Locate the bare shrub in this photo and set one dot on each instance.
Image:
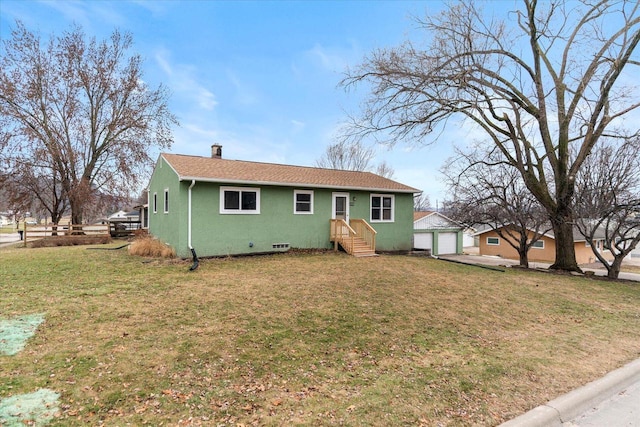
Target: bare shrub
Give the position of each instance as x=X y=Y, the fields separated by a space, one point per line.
x=147 y=246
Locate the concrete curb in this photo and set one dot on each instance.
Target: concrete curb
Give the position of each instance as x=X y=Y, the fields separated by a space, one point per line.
x=569 y=406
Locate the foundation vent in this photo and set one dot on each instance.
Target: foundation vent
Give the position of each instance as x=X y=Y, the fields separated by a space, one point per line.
x=280 y=246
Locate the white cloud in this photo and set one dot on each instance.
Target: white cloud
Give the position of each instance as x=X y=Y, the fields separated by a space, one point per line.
x=155 y=7
x=334 y=60
x=183 y=81
x=328 y=60
x=297 y=126
x=87 y=13
x=73 y=11
x=243 y=95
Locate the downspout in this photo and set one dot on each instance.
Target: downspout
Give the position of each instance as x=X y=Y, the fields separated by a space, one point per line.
x=196 y=263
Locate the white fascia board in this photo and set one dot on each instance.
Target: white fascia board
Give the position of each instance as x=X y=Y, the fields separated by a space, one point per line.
x=296 y=185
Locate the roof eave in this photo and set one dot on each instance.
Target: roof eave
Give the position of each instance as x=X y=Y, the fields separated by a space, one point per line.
x=295 y=184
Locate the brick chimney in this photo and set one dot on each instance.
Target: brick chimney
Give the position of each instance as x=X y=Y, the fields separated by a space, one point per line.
x=216 y=151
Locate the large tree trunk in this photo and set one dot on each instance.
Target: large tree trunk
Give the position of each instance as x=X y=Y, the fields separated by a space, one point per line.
x=565 y=250
x=79 y=196
x=524 y=259
x=523 y=249
x=614 y=269
x=55 y=219
x=76 y=213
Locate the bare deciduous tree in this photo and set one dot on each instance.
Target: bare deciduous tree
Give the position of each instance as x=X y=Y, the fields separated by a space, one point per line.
x=82 y=109
x=385 y=169
x=353 y=156
x=347 y=156
x=541 y=82
x=421 y=202
x=487 y=191
x=608 y=201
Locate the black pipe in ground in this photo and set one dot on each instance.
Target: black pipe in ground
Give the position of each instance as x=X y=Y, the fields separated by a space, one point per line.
x=488 y=267
x=196 y=262
x=109 y=249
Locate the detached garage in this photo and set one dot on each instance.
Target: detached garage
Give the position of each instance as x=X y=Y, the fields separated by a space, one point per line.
x=437 y=233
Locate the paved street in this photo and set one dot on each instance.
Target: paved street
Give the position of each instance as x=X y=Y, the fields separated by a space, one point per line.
x=621 y=410
x=7 y=239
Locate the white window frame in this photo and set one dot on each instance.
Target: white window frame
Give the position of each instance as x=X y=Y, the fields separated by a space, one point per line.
x=155 y=202
x=493 y=244
x=240 y=211
x=166 y=200
x=382 y=197
x=295 y=202
x=539 y=242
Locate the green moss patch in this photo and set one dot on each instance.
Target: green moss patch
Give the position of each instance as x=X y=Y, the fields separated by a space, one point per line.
x=14 y=333
x=34 y=409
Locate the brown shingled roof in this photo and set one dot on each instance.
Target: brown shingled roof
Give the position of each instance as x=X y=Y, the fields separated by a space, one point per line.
x=242 y=172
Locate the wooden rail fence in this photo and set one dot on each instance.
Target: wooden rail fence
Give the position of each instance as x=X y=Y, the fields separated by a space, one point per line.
x=37 y=232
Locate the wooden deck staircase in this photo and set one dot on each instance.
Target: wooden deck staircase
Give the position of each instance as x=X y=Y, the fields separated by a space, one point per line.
x=357 y=238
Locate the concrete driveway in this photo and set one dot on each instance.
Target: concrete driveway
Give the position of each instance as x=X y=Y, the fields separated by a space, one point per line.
x=503 y=262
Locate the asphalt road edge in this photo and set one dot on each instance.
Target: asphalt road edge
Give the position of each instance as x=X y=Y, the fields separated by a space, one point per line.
x=568 y=406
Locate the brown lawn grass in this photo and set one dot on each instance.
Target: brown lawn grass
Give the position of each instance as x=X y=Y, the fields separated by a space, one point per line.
x=321 y=339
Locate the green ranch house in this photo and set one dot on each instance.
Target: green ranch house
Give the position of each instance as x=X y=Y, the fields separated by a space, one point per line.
x=224 y=207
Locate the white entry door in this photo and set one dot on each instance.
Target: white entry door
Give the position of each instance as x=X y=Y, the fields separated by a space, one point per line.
x=340 y=206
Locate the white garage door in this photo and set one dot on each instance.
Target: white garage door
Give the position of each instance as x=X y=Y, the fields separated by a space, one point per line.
x=423 y=240
x=447 y=243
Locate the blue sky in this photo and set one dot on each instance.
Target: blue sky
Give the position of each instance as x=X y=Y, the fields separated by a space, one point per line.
x=260 y=78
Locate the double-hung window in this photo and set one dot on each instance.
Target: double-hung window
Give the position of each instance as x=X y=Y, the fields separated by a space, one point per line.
x=239 y=200
x=538 y=244
x=303 y=202
x=382 y=208
x=166 y=200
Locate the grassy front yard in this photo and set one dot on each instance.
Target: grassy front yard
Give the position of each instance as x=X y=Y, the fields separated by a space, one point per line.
x=320 y=339
x=7 y=229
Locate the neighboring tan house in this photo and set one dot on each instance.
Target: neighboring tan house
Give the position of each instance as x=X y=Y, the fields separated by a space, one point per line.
x=437 y=233
x=225 y=207
x=543 y=250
